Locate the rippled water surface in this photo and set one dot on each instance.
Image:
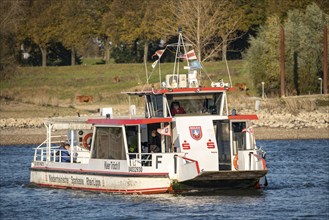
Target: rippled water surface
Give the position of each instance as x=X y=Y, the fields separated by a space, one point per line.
x=298 y=189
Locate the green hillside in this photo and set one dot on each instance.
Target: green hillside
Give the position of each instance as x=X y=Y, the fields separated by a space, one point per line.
x=60 y=85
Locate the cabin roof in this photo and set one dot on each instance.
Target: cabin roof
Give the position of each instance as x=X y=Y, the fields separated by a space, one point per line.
x=131 y=121
x=243 y=117
x=181 y=90
x=64 y=123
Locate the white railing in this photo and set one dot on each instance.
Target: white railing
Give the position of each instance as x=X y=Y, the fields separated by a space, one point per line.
x=140 y=159
x=42 y=148
x=54 y=154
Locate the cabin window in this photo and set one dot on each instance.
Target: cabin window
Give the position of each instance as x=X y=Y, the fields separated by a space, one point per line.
x=197 y=104
x=239 y=136
x=132 y=138
x=109 y=144
x=222 y=131
x=154 y=106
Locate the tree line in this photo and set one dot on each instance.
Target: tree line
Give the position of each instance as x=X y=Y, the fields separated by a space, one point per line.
x=304 y=52
x=59 y=32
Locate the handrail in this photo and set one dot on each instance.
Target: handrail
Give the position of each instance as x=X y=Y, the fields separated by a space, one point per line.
x=189 y=159
x=261 y=159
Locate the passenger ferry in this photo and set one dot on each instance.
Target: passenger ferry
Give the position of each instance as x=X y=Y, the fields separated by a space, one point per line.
x=186 y=140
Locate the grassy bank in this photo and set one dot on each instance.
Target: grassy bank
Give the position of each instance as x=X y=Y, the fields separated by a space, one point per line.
x=60 y=85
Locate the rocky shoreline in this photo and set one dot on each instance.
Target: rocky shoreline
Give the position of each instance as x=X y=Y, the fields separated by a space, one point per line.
x=270 y=126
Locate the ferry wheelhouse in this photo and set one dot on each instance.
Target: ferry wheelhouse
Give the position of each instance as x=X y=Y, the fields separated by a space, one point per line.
x=186 y=140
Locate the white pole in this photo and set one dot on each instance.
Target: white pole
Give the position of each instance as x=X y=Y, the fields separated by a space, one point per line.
x=320 y=85
x=147 y=77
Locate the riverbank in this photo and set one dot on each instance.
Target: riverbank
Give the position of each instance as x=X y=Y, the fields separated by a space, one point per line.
x=16 y=136
x=22 y=123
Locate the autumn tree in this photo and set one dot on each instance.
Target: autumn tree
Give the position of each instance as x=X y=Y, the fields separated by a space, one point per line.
x=208 y=25
x=263 y=56
x=130 y=21
x=304 y=50
x=80 y=21
x=42 y=24
x=12 y=15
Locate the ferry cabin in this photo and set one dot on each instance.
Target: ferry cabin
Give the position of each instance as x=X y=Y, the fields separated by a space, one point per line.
x=205 y=135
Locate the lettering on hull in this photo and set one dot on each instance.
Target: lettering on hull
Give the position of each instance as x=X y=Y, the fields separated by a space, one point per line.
x=136 y=169
x=73 y=180
x=112 y=165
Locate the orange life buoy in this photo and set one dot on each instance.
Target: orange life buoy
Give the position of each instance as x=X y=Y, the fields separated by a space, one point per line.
x=85 y=139
x=235 y=162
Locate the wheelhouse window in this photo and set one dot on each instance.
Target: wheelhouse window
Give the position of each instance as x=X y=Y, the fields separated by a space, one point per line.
x=132 y=138
x=239 y=136
x=154 y=106
x=197 y=104
x=109 y=144
x=222 y=131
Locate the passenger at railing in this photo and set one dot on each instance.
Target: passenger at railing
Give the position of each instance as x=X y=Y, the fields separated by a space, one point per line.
x=176 y=109
x=155 y=142
x=65 y=153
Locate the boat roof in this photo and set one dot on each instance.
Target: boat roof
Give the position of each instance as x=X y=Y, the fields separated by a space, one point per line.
x=137 y=121
x=243 y=117
x=128 y=121
x=181 y=91
x=64 y=123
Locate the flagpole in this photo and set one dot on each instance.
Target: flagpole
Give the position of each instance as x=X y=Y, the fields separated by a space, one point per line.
x=147 y=78
x=228 y=70
x=159 y=73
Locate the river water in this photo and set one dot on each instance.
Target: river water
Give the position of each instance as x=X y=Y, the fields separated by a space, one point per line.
x=298 y=189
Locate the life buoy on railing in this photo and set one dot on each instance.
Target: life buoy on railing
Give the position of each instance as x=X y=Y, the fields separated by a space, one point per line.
x=235 y=162
x=86 y=142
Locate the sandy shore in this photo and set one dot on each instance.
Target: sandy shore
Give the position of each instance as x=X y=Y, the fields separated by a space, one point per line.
x=13 y=136
x=22 y=123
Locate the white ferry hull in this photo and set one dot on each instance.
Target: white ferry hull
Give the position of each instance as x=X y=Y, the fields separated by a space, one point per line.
x=114 y=183
x=142 y=183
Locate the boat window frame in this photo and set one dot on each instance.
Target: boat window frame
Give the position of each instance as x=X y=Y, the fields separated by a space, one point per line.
x=154 y=105
x=124 y=142
x=216 y=108
x=236 y=149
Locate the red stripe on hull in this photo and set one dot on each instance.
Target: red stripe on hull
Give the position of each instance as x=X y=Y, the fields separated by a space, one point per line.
x=96 y=171
x=130 y=191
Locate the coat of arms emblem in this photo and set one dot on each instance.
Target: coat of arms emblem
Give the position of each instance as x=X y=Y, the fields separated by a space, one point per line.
x=196 y=132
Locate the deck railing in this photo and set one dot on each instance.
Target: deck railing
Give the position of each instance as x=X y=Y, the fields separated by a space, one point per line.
x=140 y=159
x=41 y=153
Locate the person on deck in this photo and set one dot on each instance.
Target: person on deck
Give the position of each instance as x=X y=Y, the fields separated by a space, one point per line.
x=65 y=154
x=155 y=142
x=176 y=109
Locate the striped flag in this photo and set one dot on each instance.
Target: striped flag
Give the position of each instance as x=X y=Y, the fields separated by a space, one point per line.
x=158 y=53
x=165 y=130
x=189 y=55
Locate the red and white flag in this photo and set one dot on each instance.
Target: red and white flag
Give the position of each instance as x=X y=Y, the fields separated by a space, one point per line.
x=158 y=53
x=250 y=130
x=189 y=55
x=165 y=130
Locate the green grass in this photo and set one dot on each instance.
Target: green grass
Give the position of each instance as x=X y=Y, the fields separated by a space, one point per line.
x=92 y=61
x=58 y=86
x=65 y=83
